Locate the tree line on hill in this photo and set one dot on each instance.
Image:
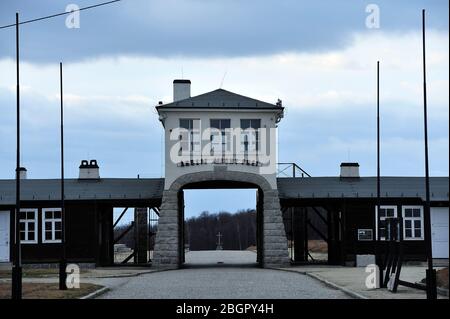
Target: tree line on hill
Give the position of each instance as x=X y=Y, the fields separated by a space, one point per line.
x=238 y=231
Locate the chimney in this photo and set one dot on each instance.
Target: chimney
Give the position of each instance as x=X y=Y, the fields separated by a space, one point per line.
x=349 y=170
x=181 y=90
x=89 y=170
x=22 y=173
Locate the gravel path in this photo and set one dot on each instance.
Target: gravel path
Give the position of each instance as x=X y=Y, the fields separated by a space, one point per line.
x=224 y=257
x=230 y=279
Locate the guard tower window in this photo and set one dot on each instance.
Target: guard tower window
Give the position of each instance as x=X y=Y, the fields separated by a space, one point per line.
x=189 y=137
x=250 y=136
x=220 y=137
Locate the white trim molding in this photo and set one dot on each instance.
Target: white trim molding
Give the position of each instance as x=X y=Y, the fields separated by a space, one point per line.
x=394 y=207
x=413 y=220
x=53 y=222
x=27 y=222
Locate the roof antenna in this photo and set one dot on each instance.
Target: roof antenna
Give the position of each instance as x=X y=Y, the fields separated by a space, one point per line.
x=223 y=79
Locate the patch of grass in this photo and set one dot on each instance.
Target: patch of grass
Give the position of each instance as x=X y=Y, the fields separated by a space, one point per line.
x=48 y=291
x=35 y=273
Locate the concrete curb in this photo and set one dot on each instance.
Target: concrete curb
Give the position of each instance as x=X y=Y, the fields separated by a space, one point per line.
x=123 y=275
x=154 y=270
x=349 y=292
x=96 y=293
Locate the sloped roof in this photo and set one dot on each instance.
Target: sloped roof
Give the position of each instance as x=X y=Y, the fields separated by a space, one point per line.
x=288 y=188
x=220 y=98
x=363 y=187
x=76 y=189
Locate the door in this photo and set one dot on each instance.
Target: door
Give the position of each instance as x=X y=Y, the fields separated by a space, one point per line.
x=4 y=236
x=439 y=232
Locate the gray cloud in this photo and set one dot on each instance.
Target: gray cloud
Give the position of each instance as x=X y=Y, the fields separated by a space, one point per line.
x=202 y=28
x=320 y=141
x=124 y=146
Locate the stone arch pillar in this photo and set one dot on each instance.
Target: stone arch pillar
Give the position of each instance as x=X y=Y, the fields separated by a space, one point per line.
x=275 y=250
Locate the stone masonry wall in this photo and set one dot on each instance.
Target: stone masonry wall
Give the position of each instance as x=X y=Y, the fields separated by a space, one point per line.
x=275 y=253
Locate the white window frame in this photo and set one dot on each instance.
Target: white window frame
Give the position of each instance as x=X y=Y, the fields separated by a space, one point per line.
x=53 y=221
x=412 y=222
x=29 y=221
x=250 y=137
x=383 y=218
x=220 y=138
x=192 y=138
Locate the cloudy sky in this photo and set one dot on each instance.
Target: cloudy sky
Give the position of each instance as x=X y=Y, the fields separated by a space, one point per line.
x=319 y=57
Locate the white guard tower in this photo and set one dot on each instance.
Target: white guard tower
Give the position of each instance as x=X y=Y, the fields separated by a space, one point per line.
x=219 y=140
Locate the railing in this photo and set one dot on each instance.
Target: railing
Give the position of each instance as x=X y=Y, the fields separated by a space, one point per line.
x=283 y=169
x=223 y=160
x=290 y=170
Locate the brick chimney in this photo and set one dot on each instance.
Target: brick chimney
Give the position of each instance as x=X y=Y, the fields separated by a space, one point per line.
x=181 y=90
x=349 y=170
x=89 y=170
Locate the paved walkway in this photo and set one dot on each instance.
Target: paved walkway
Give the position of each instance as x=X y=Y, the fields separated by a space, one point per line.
x=229 y=283
x=353 y=279
x=223 y=274
x=233 y=274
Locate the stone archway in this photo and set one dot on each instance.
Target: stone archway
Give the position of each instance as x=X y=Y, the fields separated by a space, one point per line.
x=275 y=250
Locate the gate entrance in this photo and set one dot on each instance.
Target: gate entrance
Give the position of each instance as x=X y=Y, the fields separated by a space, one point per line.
x=220 y=226
x=271 y=242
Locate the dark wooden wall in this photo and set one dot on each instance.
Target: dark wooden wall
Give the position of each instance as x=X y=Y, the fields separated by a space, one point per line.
x=360 y=214
x=89 y=230
x=356 y=213
x=88 y=235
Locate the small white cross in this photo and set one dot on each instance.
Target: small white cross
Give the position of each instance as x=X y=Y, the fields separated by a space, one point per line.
x=219 y=235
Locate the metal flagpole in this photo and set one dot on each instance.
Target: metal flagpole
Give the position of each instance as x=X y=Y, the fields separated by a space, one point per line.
x=430 y=274
x=380 y=268
x=63 y=261
x=16 y=286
